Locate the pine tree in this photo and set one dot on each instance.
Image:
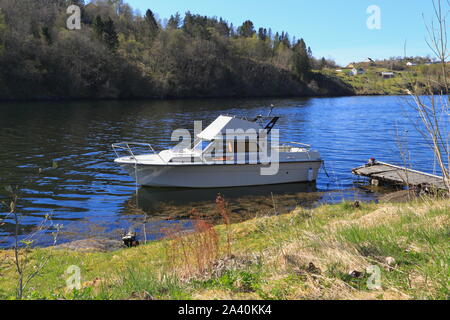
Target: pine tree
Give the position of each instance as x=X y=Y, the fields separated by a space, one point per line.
x=99 y=27
x=110 y=35
x=174 y=21
x=323 y=63
x=247 y=30
x=223 y=28
x=285 y=39
x=151 y=23
x=301 y=60
x=262 y=34
x=276 y=40
x=232 y=31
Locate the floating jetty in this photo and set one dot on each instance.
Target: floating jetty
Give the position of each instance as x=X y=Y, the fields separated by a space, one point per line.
x=385 y=173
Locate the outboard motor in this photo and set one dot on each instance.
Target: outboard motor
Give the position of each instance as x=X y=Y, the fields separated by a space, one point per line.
x=129 y=239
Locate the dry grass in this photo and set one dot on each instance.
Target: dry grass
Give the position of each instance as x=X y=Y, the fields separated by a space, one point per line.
x=307 y=254
x=192 y=254
x=197 y=253
x=311 y=253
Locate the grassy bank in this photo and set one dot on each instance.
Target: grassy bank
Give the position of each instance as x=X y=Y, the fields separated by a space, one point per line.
x=307 y=254
x=371 y=81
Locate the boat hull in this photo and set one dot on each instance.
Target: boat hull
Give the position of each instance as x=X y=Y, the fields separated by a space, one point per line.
x=227 y=175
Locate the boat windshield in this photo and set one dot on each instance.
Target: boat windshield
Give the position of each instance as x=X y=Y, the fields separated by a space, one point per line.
x=204 y=144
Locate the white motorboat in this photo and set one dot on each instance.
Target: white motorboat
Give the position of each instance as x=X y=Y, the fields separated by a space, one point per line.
x=232 y=151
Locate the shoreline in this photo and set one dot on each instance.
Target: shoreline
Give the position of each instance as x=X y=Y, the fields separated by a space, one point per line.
x=93 y=99
x=241 y=208
x=319 y=253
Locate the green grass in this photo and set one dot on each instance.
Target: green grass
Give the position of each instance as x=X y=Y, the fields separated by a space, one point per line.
x=306 y=254
x=371 y=83
x=431 y=258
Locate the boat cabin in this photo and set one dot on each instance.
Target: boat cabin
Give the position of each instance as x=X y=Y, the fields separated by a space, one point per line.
x=230 y=140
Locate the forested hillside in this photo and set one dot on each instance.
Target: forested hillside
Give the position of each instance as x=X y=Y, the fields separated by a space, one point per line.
x=121 y=53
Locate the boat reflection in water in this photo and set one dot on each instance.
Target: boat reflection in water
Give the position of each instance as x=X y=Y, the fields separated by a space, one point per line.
x=243 y=202
x=166 y=209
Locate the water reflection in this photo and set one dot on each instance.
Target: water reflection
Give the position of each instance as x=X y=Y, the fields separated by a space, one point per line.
x=160 y=208
x=92 y=196
x=244 y=202
x=155 y=204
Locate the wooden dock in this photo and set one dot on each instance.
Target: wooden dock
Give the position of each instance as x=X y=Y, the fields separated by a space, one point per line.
x=386 y=173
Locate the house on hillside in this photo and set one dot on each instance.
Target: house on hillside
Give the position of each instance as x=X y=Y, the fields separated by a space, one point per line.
x=387 y=75
x=355 y=71
x=410 y=64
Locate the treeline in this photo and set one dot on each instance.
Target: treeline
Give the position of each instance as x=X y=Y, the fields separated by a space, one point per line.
x=120 y=53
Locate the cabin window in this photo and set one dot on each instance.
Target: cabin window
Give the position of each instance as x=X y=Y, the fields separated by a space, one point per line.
x=240 y=146
x=241 y=150
x=231 y=149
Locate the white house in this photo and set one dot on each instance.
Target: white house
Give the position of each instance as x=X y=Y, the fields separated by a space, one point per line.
x=355 y=71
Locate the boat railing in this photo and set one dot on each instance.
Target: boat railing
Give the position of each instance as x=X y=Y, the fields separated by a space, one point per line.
x=128 y=146
x=290 y=143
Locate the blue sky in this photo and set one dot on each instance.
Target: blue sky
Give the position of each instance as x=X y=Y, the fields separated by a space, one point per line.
x=332 y=28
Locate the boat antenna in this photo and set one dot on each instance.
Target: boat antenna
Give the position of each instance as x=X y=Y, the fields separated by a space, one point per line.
x=258 y=117
x=271 y=109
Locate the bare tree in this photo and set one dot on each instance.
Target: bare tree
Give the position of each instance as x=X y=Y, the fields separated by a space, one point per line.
x=27 y=271
x=431 y=100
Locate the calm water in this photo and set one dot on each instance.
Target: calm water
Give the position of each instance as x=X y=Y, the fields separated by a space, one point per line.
x=91 y=196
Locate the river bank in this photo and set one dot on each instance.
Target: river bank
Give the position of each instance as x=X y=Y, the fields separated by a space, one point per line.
x=327 y=252
x=320 y=83
x=268 y=83
x=376 y=80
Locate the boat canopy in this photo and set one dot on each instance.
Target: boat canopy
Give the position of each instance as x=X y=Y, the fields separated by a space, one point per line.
x=218 y=128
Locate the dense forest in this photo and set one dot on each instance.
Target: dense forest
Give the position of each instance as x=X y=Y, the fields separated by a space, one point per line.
x=122 y=53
